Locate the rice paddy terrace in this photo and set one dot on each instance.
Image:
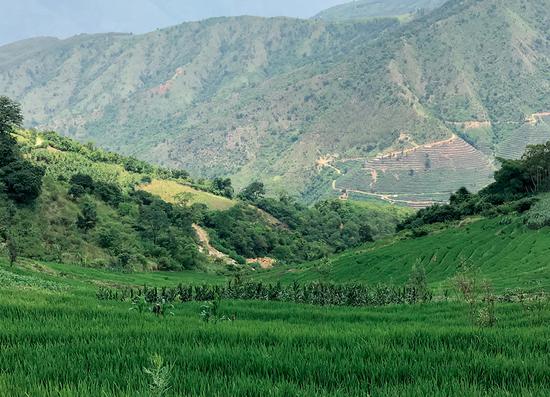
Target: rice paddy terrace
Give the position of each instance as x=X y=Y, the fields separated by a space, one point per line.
x=535 y=131
x=419 y=176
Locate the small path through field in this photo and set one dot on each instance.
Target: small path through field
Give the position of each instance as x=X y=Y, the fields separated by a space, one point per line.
x=210 y=251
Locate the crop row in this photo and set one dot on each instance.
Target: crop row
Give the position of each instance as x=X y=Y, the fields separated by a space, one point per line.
x=313 y=293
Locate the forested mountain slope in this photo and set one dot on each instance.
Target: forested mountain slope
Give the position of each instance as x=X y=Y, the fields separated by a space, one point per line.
x=281 y=99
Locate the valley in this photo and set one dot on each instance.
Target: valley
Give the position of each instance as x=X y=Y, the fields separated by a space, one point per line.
x=352 y=204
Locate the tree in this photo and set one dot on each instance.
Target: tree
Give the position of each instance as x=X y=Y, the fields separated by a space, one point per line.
x=462 y=195
x=10 y=115
x=8 y=150
x=83 y=180
x=109 y=193
x=153 y=219
x=253 y=192
x=23 y=181
x=223 y=187
x=87 y=219
x=365 y=233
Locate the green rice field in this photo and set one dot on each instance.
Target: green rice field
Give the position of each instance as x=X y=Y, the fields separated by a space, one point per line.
x=57 y=339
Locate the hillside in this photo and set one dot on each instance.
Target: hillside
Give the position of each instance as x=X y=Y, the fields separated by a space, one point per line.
x=267 y=99
x=145 y=217
x=67 y=202
x=505 y=252
x=363 y=9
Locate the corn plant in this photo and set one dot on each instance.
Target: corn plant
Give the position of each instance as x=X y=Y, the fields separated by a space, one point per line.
x=139 y=304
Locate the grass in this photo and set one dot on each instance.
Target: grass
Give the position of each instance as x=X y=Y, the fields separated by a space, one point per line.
x=503 y=250
x=68 y=344
x=168 y=190
x=57 y=339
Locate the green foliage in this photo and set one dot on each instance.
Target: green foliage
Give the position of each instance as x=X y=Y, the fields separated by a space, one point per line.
x=515 y=184
x=289 y=231
x=309 y=348
x=253 y=192
x=222 y=187
x=87 y=219
x=8 y=150
x=324 y=294
x=539 y=215
x=159 y=374
x=276 y=112
x=10 y=115
x=508 y=254
x=22 y=181
x=13 y=252
x=210 y=312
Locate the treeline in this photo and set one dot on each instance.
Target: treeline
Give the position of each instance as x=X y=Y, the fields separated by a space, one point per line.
x=92 y=211
x=20 y=180
x=517 y=188
x=286 y=230
x=159 y=232
x=323 y=294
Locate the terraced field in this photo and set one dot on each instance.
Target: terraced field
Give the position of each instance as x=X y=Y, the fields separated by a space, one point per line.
x=535 y=132
x=420 y=176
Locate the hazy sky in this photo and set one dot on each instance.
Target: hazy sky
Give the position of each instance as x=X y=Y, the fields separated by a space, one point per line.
x=62 y=18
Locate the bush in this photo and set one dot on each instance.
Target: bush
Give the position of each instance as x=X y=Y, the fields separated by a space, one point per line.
x=539 y=215
x=109 y=193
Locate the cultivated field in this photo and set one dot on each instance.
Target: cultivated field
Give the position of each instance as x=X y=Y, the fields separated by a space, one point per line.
x=419 y=176
x=169 y=191
x=502 y=250
x=57 y=339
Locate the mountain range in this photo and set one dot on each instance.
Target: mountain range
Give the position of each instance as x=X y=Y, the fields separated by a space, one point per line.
x=401 y=110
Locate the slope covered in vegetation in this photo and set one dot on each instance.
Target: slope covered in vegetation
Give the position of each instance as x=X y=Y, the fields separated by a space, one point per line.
x=502 y=250
x=67 y=202
x=265 y=98
x=499 y=234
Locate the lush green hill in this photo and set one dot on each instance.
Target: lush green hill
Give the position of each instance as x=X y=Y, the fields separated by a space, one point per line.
x=362 y=9
x=133 y=229
x=67 y=202
x=267 y=99
x=503 y=250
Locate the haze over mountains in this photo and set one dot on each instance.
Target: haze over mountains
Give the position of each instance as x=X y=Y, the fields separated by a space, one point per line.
x=63 y=18
x=308 y=106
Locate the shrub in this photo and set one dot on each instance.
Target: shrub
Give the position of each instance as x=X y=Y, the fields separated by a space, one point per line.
x=87 y=219
x=539 y=215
